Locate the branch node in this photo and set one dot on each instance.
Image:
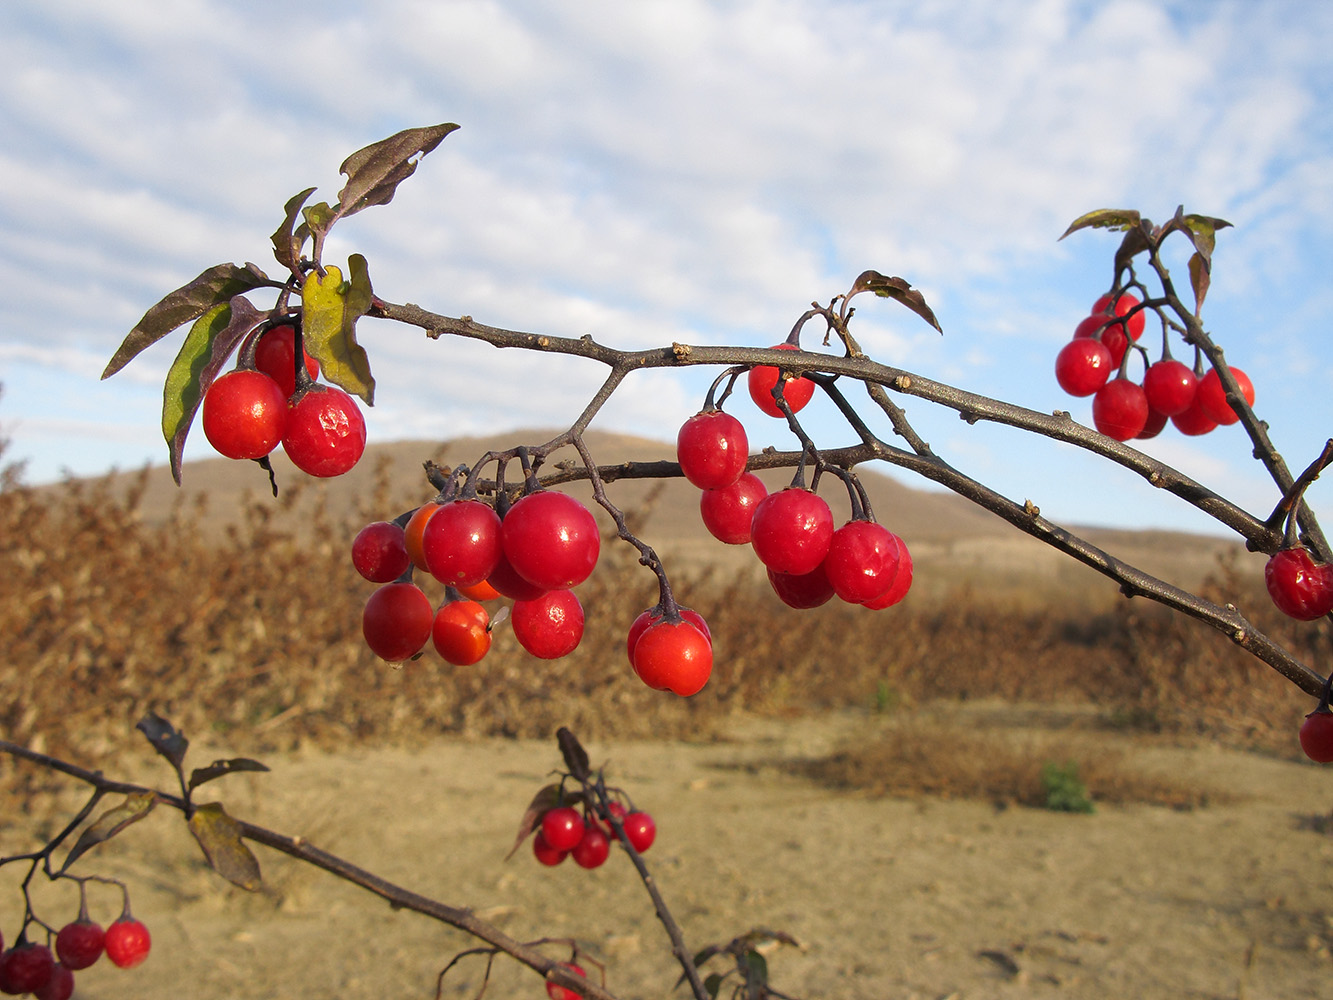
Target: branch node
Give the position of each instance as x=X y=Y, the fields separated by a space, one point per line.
x=681 y=351
x=1031 y=508
x=903 y=382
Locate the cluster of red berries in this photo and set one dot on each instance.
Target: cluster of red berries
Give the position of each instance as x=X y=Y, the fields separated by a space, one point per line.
x=250 y=411
x=564 y=832
x=1303 y=589
x=547 y=543
x=1194 y=401
x=31 y=968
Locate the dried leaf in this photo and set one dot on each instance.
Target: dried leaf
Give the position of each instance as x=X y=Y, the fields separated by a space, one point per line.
x=219 y=837
x=330 y=308
x=208 y=345
x=1104 y=218
x=374 y=173
x=546 y=799
x=898 y=289
x=220 y=767
x=1200 y=279
x=220 y=283
x=134 y=808
x=286 y=242
x=1202 y=230
x=165 y=738
x=1135 y=242
x=576 y=758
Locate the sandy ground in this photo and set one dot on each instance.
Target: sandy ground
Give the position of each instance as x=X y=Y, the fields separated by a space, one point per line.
x=889 y=898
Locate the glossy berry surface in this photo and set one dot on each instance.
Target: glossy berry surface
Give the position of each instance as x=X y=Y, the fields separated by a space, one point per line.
x=1317 y=736
x=729 y=511
x=902 y=581
x=275 y=356
x=1153 y=425
x=461 y=632
x=1194 y=422
x=640 y=830
x=480 y=592
x=593 y=849
x=551 y=540
x=127 y=942
x=802 y=590
x=415 y=530
x=1300 y=587
x=506 y=581
x=461 y=543
x=562 y=828
x=674 y=656
x=550 y=626
x=762 y=378
x=862 y=561
x=1120 y=409
x=396 y=622
x=712 y=449
x=791 y=531
x=1083 y=366
x=25 y=968
x=1123 y=304
x=79 y=944
x=1170 y=386
x=244 y=415
x=1112 y=337
x=379 y=552
x=655 y=614
x=545 y=853
x=326 y=434
x=557 y=992
x=1213 y=397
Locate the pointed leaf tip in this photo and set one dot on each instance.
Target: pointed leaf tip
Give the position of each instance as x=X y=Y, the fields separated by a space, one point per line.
x=219 y=837
x=1104 y=218
x=374 y=173
x=898 y=289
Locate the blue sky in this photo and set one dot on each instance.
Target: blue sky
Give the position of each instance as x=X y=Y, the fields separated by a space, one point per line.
x=674 y=171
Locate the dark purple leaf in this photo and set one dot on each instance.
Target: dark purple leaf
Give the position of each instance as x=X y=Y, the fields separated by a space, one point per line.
x=374 y=173
x=166 y=739
x=898 y=289
x=576 y=758
x=220 y=767
x=286 y=242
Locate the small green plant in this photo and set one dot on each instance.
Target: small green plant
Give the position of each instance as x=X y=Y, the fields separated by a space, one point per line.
x=887 y=697
x=1064 y=791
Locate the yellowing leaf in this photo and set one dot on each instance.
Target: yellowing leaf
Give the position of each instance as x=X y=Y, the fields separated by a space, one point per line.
x=134 y=808
x=330 y=308
x=220 y=838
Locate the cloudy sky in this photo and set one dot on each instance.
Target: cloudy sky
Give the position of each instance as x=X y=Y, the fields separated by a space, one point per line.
x=688 y=171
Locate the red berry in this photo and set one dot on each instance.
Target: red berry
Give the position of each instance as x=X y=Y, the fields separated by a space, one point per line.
x=461 y=632
x=1112 y=337
x=1120 y=409
x=862 y=561
x=640 y=830
x=79 y=944
x=379 y=552
x=1213 y=398
x=551 y=540
x=1124 y=304
x=727 y=512
x=25 y=967
x=461 y=543
x=1317 y=736
x=655 y=614
x=245 y=414
x=791 y=531
x=1152 y=426
x=556 y=992
x=275 y=356
x=1083 y=366
x=550 y=626
x=1194 y=421
x=593 y=849
x=712 y=449
x=1170 y=386
x=902 y=583
x=415 y=529
x=674 y=656
x=326 y=434
x=397 y=622
x=562 y=828
x=803 y=590
x=127 y=942
x=508 y=583
x=545 y=853
x=762 y=379
x=1300 y=587
x=60 y=986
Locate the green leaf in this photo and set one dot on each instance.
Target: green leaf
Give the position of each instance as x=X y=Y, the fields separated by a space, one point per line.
x=713 y=983
x=208 y=345
x=1200 y=279
x=220 y=767
x=1202 y=230
x=374 y=173
x=286 y=241
x=756 y=974
x=134 y=808
x=218 y=284
x=166 y=739
x=219 y=837
x=1104 y=218
x=329 y=311
x=895 y=288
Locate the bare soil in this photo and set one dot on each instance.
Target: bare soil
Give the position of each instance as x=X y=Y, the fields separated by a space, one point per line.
x=889 y=898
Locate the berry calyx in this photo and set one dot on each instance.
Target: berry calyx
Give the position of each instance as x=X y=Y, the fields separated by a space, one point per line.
x=1083 y=366
x=245 y=414
x=551 y=540
x=762 y=379
x=127 y=942
x=1213 y=398
x=80 y=943
x=326 y=434
x=1120 y=409
x=379 y=552
x=727 y=512
x=1300 y=587
x=397 y=622
x=791 y=531
x=549 y=626
x=562 y=828
x=712 y=449
x=1317 y=736
x=275 y=356
x=674 y=656
x=461 y=632
x=461 y=543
